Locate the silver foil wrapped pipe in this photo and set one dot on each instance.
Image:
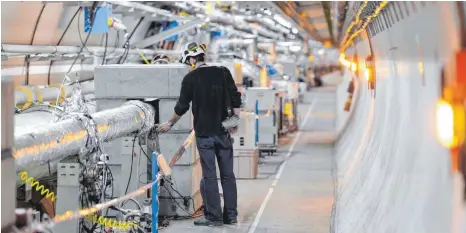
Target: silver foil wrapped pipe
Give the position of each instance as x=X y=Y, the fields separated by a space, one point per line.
x=74 y=135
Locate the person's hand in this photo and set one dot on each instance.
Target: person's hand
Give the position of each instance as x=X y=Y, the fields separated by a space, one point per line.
x=233 y=130
x=236 y=111
x=164 y=127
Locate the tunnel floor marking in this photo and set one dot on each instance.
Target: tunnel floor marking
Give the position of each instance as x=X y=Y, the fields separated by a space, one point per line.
x=280 y=170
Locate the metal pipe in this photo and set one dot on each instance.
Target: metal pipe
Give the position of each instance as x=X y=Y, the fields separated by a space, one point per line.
x=215 y=45
x=265 y=24
x=165 y=34
x=68 y=137
x=52 y=49
x=50 y=93
x=150 y=9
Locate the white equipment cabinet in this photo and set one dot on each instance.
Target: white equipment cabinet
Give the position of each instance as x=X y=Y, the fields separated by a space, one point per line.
x=262 y=101
x=245 y=151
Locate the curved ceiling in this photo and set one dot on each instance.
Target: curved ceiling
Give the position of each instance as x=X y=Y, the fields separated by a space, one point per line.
x=317 y=18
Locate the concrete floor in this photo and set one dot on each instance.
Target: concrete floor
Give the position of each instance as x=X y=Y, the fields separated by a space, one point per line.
x=294 y=190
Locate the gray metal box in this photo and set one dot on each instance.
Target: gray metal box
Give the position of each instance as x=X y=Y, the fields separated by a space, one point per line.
x=264 y=96
x=171 y=142
x=101 y=105
x=166 y=110
x=67 y=193
x=139 y=81
x=289 y=68
x=186 y=180
x=187 y=187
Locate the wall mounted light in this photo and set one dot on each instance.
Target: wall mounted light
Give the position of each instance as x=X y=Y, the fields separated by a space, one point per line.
x=445 y=119
x=451 y=111
x=354 y=67
x=370 y=72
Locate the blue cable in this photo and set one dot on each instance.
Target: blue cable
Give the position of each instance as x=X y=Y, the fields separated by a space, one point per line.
x=257 y=121
x=155 y=198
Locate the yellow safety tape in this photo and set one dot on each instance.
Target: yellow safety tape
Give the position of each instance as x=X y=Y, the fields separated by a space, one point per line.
x=62 y=93
x=40 y=97
x=29 y=96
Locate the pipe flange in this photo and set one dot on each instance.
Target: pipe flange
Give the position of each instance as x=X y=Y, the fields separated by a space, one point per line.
x=149 y=115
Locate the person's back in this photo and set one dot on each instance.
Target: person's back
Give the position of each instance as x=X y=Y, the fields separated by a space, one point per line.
x=208 y=85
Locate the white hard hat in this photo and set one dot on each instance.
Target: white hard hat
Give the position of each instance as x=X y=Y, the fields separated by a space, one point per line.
x=192 y=50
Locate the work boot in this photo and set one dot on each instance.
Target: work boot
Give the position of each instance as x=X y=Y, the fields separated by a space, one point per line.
x=205 y=222
x=230 y=221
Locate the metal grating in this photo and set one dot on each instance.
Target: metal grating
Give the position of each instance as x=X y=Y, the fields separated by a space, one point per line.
x=393 y=13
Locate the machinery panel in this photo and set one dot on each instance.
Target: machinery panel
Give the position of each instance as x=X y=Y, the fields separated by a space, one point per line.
x=267 y=130
x=289 y=68
x=143 y=81
x=67 y=193
x=245 y=137
x=170 y=144
x=185 y=180
x=166 y=110
x=264 y=96
x=134 y=162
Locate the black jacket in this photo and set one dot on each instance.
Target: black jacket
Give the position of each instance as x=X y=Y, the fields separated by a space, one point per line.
x=205 y=87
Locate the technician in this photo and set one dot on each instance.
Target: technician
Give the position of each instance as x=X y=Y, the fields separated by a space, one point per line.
x=207 y=86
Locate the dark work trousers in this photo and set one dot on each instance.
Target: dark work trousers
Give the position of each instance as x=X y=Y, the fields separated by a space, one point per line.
x=219 y=147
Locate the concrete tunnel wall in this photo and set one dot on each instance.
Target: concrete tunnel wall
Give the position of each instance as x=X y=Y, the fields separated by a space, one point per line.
x=392 y=174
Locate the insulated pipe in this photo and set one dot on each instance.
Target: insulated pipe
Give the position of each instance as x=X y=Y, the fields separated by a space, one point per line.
x=50 y=93
x=239 y=24
x=263 y=23
x=26 y=122
x=39 y=116
x=68 y=137
x=215 y=45
x=52 y=49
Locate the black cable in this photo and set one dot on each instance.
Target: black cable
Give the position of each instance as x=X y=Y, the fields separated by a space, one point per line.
x=93 y=12
x=131 y=169
x=178 y=204
x=105 y=49
x=126 y=44
x=59 y=42
x=147 y=156
x=26 y=59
